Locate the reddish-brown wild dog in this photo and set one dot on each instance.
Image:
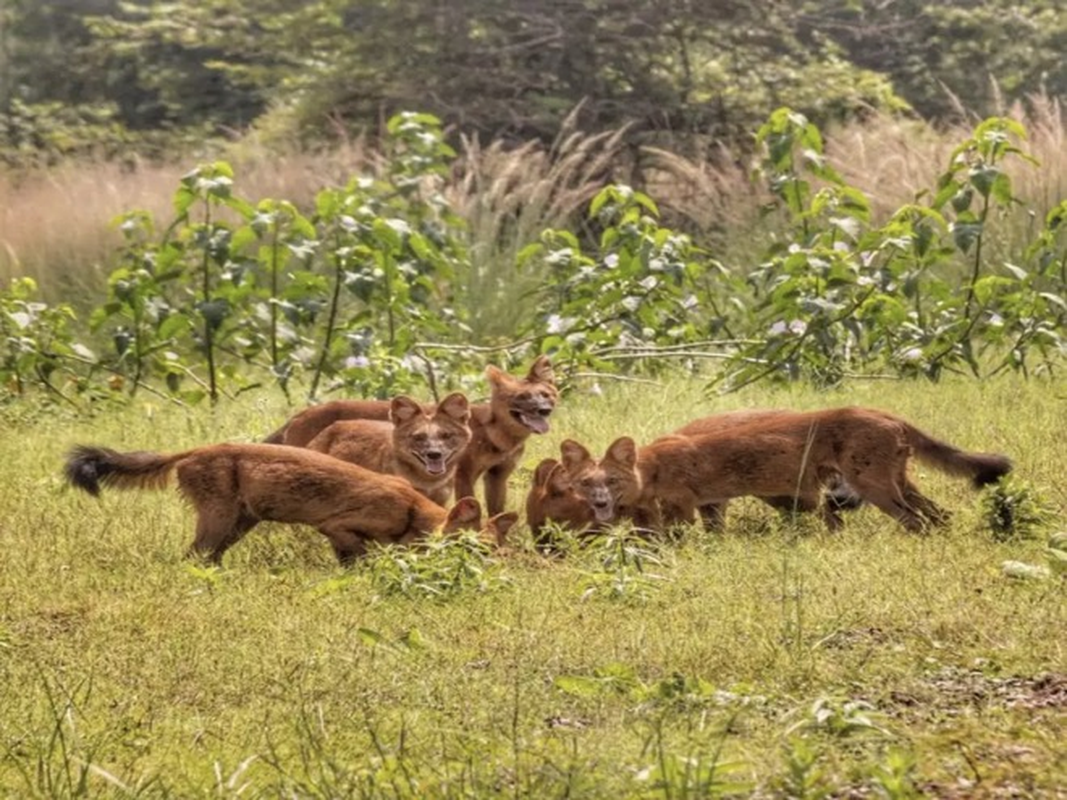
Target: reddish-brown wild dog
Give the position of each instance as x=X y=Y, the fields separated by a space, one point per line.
x=499 y=429
x=420 y=445
x=552 y=498
x=839 y=496
x=232 y=487
x=792 y=454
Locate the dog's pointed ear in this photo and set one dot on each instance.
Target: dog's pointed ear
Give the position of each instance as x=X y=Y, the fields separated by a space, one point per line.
x=466 y=514
x=573 y=454
x=497 y=377
x=623 y=450
x=403 y=409
x=544 y=469
x=496 y=528
x=541 y=371
x=558 y=479
x=455 y=406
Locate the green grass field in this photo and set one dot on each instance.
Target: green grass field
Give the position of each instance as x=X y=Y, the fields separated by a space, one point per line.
x=776 y=660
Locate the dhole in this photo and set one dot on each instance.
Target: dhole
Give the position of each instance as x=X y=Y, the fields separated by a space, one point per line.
x=791 y=454
x=612 y=486
x=422 y=446
x=233 y=487
x=499 y=428
x=838 y=493
x=552 y=498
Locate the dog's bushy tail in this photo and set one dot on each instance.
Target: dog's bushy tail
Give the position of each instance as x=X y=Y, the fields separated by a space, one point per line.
x=89 y=468
x=981 y=468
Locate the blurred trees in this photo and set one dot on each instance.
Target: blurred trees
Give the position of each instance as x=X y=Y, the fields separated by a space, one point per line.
x=100 y=74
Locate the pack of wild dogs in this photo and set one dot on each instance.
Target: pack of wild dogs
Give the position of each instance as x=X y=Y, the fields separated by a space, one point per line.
x=365 y=471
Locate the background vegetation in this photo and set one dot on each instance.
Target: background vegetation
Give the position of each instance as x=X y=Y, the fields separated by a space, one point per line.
x=211 y=212
x=96 y=76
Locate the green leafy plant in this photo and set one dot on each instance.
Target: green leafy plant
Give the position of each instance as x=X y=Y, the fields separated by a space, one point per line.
x=441 y=568
x=640 y=289
x=803 y=779
x=840 y=718
x=623 y=559
x=1013 y=509
x=894 y=777
x=38 y=349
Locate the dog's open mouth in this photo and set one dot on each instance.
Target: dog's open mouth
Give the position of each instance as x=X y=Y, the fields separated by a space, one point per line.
x=434 y=463
x=602 y=511
x=536 y=421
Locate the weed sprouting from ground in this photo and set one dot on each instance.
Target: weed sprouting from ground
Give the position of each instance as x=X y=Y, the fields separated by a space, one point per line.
x=1014 y=509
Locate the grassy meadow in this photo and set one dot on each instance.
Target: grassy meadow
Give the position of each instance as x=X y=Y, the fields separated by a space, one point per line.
x=775 y=660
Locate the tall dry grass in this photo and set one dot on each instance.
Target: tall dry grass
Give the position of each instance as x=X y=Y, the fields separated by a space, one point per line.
x=56 y=226
x=508 y=196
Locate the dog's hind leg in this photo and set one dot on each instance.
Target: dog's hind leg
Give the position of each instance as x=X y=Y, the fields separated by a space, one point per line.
x=889 y=498
x=935 y=514
x=218 y=528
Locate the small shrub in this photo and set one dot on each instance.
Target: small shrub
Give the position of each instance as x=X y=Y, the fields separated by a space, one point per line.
x=441 y=568
x=1013 y=509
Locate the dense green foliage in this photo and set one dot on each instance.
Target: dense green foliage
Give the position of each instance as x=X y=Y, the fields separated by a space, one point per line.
x=98 y=76
x=364 y=290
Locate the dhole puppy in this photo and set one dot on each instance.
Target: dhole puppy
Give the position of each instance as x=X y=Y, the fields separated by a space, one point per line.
x=499 y=429
x=552 y=498
x=838 y=493
x=792 y=454
x=232 y=487
x=422 y=446
x=612 y=486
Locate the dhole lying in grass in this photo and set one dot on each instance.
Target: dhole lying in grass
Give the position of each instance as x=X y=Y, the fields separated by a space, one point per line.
x=233 y=487
x=418 y=444
x=499 y=428
x=792 y=454
x=552 y=498
x=838 y=494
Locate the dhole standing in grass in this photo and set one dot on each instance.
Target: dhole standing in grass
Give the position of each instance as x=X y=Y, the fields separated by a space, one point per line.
x=421 y=445
x=499 y=429
x=787 y=455
x=232 y=487
x=838 y=494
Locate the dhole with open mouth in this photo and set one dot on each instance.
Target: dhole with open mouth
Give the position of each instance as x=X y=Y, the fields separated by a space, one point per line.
x=421 y=445
x=517 y=407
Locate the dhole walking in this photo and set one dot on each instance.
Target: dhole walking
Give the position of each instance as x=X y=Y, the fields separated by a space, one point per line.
x=233 y=487
x=784 y=455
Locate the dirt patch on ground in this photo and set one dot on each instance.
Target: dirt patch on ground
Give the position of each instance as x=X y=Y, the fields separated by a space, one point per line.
x=959 y=689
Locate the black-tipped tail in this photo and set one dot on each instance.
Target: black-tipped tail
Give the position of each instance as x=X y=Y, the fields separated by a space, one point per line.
x=84 y=466
x=89 y=468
